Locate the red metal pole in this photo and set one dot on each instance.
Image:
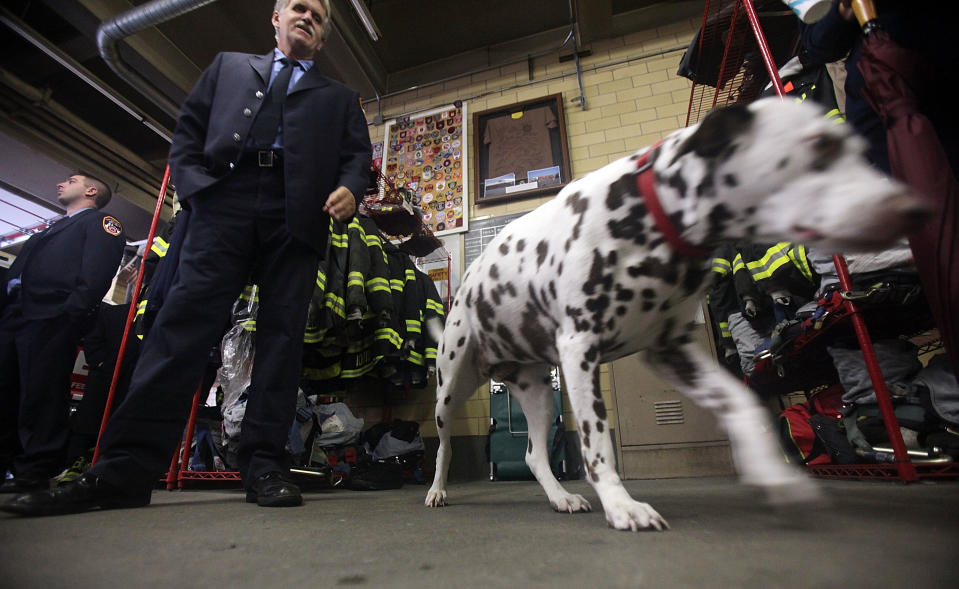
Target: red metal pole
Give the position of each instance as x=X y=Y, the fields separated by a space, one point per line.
x=171 y=474
x=188 y=438
x=131 y=313
x=907 y=470
x=722 y=64
x=764 y=47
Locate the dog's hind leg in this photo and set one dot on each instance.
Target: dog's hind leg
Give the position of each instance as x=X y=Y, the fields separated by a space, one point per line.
x=737 y=409
x=457 y=377
x=532 y=388
x=580 y=359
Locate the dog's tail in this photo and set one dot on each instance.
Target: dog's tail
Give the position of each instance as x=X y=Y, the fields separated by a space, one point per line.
x=434 y=326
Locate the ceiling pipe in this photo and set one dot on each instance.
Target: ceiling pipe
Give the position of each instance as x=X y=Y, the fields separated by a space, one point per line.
x=35 y=39
x=131 y=22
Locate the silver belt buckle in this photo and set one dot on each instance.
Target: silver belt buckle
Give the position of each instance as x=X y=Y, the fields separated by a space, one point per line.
x=266 y=158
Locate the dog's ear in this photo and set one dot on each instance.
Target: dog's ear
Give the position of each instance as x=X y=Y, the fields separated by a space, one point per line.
x=717 y=131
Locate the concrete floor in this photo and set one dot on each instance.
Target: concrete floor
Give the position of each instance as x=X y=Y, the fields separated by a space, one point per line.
x=503 y=534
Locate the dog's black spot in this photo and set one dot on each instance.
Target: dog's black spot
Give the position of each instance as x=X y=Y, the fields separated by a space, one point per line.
x=592 y=353
x=469 y=298
x=630 y=226
x=552 y=289
x=730 y=180
x=655 y=268
x=665 y=305
x=826 y=150
x=782 y=163
x=511 y=289
x=439 y=422
x=579 y=323
x=694 y=278
x=579 y=205
x=538 y=338
x=542 y=248
x=559 y=269
x=529 y=446
x=552 y=260
x=677 y=182
x=599 y=426
x=494 y=294
x=707 y=187
x=624 y=187
x=648 y=305
x=460 y=342
x=439 y=377
x=648 y=293
x=447 y=399
x=523 y=385
x=503 y=249
x=485 y=311
x=717 y=218
x=520 y=245
x=494 y=272
x=452 y=355
x=597 y=280
x=621 y=310
x=600 y=409
x=625 y=294
x=584 y=365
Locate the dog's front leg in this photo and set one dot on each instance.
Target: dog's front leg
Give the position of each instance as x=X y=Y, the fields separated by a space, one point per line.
x=580 y=361
x=737 y=409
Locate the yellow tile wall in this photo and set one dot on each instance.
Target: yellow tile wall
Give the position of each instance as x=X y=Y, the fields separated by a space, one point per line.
x=634 y=98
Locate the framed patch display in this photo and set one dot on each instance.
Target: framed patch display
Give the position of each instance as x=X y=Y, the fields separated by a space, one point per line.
x=426 y=153
x=520 y=151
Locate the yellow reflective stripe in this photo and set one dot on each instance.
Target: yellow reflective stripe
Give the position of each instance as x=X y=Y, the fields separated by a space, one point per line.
x=410 y=275
x=248 y=292
x=321 y=279
x=390 y=335
x=435 y=306
x=416 y=358
x=721 y=266
x=378 y=284
x=249 y=325
x=431 y=353
x=160 y=246
x=396 y=284
x=336 y=304
x=774 y=259
x=355 y=279
x=798 y=257
x=413 y=326
x=141 y=307
x=325 y=373
x=340 y=240
x=738 y=263
x=724 y=329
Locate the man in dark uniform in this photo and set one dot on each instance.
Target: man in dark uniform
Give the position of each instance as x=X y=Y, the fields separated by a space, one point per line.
x=47 y=301
x=265 y=151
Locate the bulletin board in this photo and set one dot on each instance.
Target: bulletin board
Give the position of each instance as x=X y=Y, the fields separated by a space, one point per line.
x=426 y=153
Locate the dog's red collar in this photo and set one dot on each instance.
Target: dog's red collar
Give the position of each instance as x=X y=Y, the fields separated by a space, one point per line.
x=647 y=188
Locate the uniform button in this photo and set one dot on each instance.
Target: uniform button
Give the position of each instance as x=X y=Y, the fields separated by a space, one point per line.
x=237 y=137
x=247 y=112
x=232 y=165
x=259 y=94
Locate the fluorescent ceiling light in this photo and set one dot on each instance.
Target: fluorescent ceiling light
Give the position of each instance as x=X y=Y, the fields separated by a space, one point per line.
x=367 y=19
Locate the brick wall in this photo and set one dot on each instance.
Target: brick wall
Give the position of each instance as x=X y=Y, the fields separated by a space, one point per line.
x=634 y=98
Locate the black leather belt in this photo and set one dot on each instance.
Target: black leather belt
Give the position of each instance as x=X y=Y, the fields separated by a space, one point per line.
x=264 y=158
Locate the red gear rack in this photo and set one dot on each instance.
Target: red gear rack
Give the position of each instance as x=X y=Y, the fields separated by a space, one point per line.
x=734 y=26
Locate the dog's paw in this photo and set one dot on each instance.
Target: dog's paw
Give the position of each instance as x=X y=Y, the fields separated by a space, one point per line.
x=800 y=491
x=570 y=503
x=436 y=498
x=635 y=516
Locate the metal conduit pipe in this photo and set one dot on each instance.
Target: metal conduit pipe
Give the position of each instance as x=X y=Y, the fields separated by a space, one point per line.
x=133 y=21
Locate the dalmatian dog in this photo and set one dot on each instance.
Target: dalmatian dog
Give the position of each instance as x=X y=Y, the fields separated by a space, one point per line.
x=617 y=264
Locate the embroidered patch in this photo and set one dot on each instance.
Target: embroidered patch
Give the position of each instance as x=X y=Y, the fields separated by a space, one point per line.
x=111 y=225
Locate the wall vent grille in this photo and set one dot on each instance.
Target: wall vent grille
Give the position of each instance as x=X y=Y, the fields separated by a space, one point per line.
x=669 y=412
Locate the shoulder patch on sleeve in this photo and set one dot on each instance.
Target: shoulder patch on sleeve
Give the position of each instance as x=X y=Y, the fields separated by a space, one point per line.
x=111 y=225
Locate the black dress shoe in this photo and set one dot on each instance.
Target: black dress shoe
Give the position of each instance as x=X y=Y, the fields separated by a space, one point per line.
x=24 y=484
x=273 y=490
x=84 y=494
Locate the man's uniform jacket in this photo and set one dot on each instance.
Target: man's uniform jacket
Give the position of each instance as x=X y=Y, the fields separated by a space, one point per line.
x=322 y=124
x=66 y=270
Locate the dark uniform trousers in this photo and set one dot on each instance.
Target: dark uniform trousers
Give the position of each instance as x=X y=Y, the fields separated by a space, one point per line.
x=237 y=234
x=34 y=418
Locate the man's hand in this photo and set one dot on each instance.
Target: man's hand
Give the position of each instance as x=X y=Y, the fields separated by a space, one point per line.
x=341 y=204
